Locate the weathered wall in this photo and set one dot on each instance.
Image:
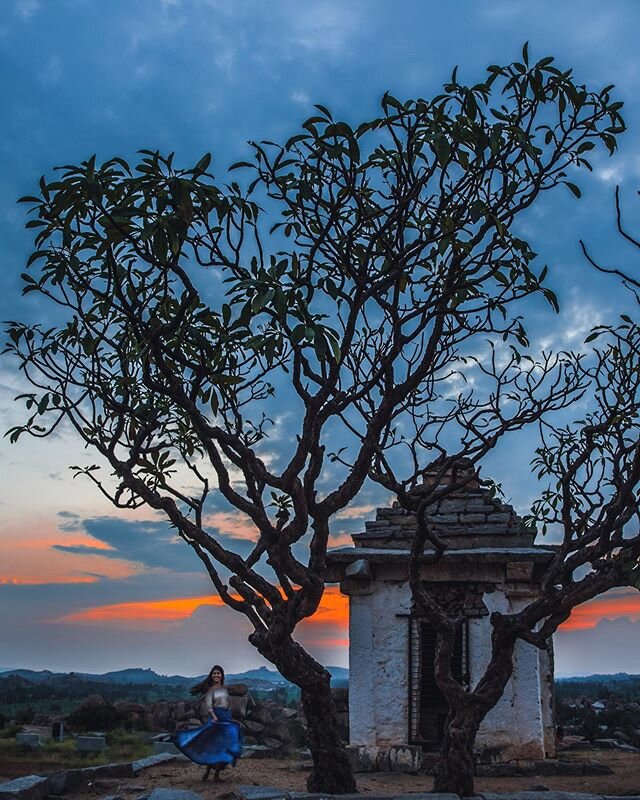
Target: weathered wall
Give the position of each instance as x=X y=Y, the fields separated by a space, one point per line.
x=378 y=665
x=521 y=726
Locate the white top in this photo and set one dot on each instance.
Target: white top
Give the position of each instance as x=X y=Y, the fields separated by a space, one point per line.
x=216 y=697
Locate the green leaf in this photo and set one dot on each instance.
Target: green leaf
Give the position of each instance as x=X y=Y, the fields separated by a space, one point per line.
x=240 y=164
x=203 y=164
x=323 y=110
x=574 y=189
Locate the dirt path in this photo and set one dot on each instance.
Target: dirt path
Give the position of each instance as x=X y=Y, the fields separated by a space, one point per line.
x=286 y=774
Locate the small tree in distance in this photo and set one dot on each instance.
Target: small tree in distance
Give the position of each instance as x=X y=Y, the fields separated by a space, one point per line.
x=349 y=281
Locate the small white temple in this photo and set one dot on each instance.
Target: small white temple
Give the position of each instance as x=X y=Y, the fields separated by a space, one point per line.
x=490 y=564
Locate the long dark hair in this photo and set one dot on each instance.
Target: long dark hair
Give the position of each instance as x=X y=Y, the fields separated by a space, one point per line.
x=204 y=686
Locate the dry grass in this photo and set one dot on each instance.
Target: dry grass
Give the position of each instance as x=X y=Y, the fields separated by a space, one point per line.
x=18 y=760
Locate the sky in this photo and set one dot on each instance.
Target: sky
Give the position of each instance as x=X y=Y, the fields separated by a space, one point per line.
x=83 y=587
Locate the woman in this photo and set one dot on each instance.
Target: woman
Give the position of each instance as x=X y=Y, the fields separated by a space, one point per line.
x=218 y=742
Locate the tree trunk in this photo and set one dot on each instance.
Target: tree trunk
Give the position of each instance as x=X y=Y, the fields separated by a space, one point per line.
x=456 y=769
x=331 y=772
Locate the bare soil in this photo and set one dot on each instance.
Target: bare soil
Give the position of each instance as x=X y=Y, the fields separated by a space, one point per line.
x=287 y=774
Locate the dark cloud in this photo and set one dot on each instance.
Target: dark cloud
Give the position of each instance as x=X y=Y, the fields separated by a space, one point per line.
x=149 y=543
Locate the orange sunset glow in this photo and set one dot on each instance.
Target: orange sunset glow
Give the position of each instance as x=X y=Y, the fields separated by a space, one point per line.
x=28 y=556
x=333 y=610
x=606 y=607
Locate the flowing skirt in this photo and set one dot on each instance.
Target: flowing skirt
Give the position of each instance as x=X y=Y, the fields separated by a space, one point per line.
x=212 y=743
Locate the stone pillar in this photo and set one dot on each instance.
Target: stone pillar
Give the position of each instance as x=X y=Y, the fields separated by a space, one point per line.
x=391 y=603
x=547 y=700
x=362 y=729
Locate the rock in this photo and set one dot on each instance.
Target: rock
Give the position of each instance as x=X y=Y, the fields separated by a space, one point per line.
x=238 y=705
x=341 y=696
x=70 y=779
x=258 y=793
x=162 y=793
x=165 y=747
x=129 y=707
x=260 y=751
x=551 y=795
x=93 y=700
x=539 y=787
x=253 y=725
x=362 y=758
x=405 y=758
x=91 y=744
x=272 y=742
x=152 y=761
x=29 y=787
x=238 y=689
x=28 y=739
x=592 y=768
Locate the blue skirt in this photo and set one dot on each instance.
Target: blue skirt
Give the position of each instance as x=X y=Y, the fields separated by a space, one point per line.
x=212 y=743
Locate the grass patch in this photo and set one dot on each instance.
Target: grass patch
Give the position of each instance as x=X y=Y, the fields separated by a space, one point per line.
x=18 y=760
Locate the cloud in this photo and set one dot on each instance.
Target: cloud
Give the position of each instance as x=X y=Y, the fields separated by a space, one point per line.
x=300 y=97
x=52 y=72
x=613 y=604
x=27 y=8
x=150 y=543
x=613 y=645
x=324 y=26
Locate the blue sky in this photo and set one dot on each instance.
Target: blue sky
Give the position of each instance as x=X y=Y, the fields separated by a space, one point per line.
x=190 y=76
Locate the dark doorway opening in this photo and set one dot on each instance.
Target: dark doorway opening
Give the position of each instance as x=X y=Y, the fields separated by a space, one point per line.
x=429 y=707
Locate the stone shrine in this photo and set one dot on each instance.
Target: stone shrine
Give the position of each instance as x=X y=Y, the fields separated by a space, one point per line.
x=491 y=564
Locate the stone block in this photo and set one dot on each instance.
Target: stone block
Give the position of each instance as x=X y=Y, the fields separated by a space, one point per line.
x=28 y=739
x=249 y=793
x=29 y=787
x=498 y=519
x=91 y=744
x=429 y=796
x=363 y=758
x=552 y=795
x=472 y=519
x=161 y=757
x=447 y=519
x=162 y=793
x=405 y=758
x=382 y=762
x=520 y=571
x=164 y=747
x=71 y=779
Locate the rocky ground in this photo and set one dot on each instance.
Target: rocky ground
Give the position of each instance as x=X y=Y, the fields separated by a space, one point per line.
x=287 y=774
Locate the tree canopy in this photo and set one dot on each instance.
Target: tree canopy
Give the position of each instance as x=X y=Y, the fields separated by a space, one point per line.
x=348 y=274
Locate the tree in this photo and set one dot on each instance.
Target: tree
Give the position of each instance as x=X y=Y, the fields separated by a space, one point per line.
x=592 y=469
x=349 y=277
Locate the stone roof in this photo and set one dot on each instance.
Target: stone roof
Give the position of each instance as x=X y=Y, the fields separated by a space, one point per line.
x=466 y=517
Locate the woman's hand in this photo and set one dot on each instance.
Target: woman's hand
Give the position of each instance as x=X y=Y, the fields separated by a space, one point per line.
x=213 y=717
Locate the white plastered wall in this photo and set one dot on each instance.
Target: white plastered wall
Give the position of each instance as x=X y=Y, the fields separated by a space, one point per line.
x=379 y=677
x=379 y=665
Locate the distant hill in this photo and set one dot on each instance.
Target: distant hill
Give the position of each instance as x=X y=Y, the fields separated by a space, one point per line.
x=261 y=677
x=615 y=677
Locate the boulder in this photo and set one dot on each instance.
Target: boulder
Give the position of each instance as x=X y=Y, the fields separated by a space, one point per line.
x=238 y=705
x=29 y=787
